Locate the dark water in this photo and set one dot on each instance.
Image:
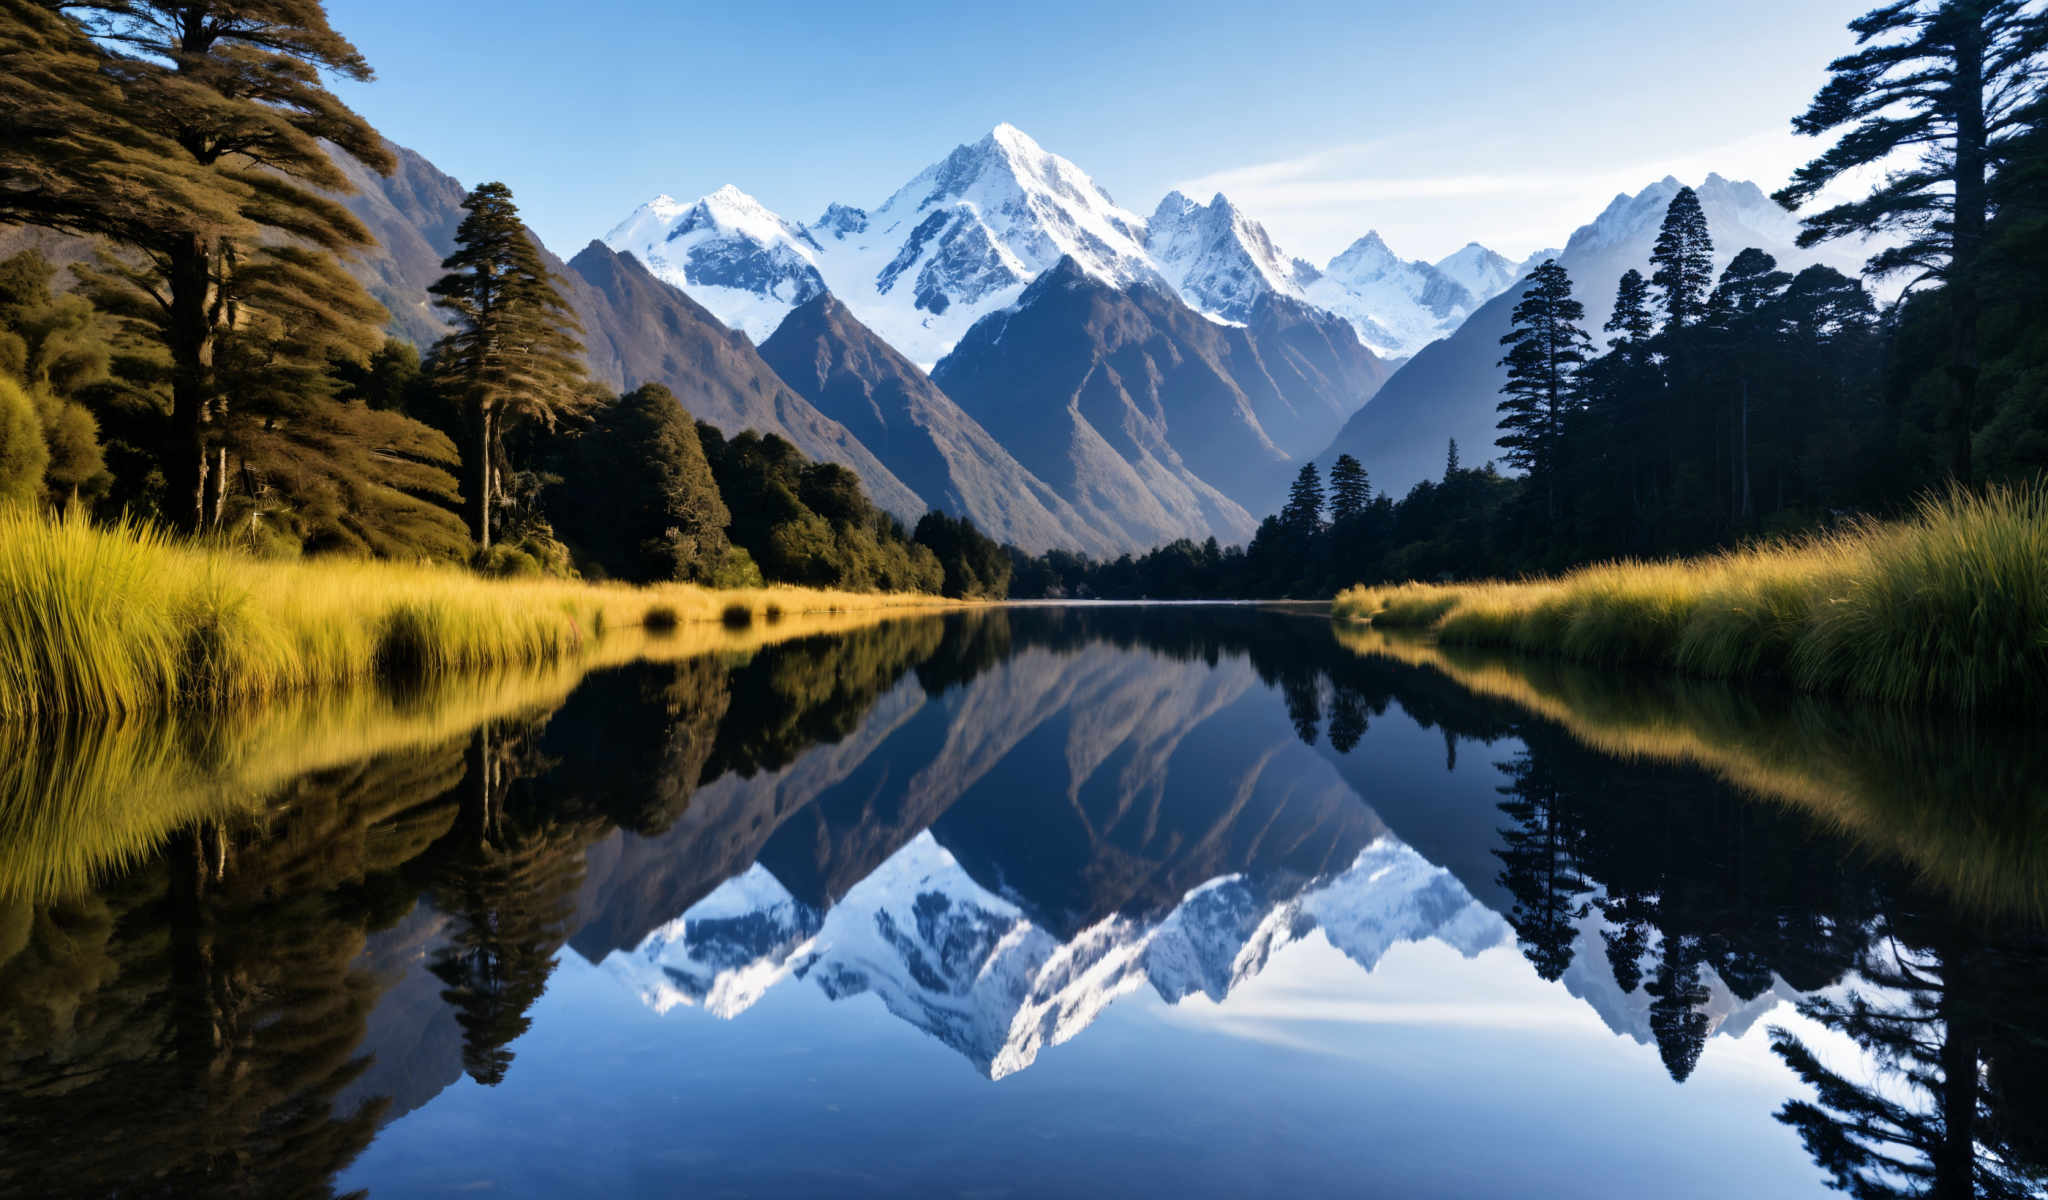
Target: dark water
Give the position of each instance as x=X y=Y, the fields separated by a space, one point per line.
x=1179 y=902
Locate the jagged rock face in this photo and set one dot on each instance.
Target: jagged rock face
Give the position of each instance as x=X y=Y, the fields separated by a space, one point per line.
x=1450 y=389
x=1148 y=416
x=741 y=261
x=919 y=433
x=1220 y=260
x=960 y=240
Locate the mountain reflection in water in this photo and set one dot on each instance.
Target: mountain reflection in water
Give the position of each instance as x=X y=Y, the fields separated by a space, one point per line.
x=995 y=825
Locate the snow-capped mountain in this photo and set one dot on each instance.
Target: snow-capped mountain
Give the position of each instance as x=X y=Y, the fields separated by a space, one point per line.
x=965 y=237
x=1401 y=305
x=971 y=969
x=1481 y=272
x=729 y=252
x=960 y=240
x=1220 y=260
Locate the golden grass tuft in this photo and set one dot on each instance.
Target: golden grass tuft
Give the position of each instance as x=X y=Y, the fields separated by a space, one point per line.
x=107 y=622
x=1948 y=607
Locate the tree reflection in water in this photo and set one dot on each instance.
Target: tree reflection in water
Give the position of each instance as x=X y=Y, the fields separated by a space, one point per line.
x=195 y=1023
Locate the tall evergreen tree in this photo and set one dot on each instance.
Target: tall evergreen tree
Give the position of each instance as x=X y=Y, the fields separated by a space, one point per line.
x=1684 y=258
x=1631 y=319
x=237 y=89
x=1546 y=348
x=1740 y=315
x=1303 y=514
x=1951 y=83
x=514 y=351
x=1350 y=490
x=1451 y=467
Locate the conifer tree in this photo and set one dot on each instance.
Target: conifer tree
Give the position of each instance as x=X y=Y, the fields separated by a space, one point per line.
x=514 y=351
x=1303 y=514
x=1684 y=258
x=1451 y=461
x=1739 y=315
x=1546 y=348
x=237 y=89
x=1350 y=491
x=1631 y=318
x=1949 y=82
x=72 y=154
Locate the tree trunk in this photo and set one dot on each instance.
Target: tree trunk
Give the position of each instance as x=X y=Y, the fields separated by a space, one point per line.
x=215 y=486
x=190 y=331
x=1955 y=1157
x=1971 y=204
x=477 y=476
x=1745 y=505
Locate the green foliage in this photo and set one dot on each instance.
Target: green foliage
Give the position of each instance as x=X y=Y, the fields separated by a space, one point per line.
x=637 y=498
x=232 y=271
x=1350 y=490
x=976 y=567
x=23 y=453
x=514 y=353
x=809 y=523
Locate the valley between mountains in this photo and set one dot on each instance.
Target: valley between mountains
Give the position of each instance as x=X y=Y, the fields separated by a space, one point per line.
x=1000 y=340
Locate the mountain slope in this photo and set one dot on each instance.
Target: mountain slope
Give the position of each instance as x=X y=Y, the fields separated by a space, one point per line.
x=1148 y=417
x=643 y=330
x=1450 y=388
x=857 y=379
x=1097 y=391
x=636 y=329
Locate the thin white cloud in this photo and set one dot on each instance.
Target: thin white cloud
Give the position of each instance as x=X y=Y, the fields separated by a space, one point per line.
x=1318 y=203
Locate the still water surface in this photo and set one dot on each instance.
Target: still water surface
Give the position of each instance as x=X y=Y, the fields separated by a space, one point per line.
x=1049 y=901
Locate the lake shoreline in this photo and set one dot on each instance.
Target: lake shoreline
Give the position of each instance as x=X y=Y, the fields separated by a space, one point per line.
x=1947 y=608
x=112 y=622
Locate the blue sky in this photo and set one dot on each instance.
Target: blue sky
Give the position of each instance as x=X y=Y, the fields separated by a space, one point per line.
x=1435 y=122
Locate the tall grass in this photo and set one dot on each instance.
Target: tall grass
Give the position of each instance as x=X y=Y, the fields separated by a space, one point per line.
x=108 y=622
x=1948 y=607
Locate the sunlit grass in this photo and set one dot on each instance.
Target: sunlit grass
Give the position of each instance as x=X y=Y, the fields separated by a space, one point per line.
x=1948 y=607
x=107 y=622
x=81 y=798
x=1961 y=799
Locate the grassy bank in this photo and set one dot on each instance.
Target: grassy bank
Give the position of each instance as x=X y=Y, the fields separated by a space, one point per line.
x=1949 y=607
x=111 y=622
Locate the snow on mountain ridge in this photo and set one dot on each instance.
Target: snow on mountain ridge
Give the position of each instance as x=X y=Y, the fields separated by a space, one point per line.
x=1219 y=259
x=730 y=252
x=964 y=236
x=969 y=968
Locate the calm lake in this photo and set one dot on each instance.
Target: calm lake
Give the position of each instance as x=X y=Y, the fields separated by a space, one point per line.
x=1080 y=901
